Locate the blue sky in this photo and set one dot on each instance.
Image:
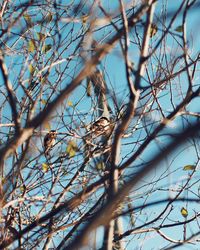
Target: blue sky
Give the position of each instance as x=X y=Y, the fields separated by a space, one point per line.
x=114 y=71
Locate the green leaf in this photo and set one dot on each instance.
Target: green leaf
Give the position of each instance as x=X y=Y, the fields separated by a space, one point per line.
x=189 y=167
x=64 y=171
x=3 y=180
x=45 y=167
x=46 y=48
x=31 y=46
x=100 y=166
x=184 y=212
x=71 y=149
x=179 y=28
x=22 y=188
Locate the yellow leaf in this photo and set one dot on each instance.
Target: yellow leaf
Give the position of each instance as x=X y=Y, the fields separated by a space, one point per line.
x=43 y=101
x=184 y=212
x=43 y=80
x=31 y=69
x=46 y=48
x=89 y=87
x=71 y=149
x=31 y=46
x=84 y=18
x=179 y=28
x=47 y=125
x=45 y=167
x=27 y=18
x=189 y=167
x=153 y=30
x=69 y=103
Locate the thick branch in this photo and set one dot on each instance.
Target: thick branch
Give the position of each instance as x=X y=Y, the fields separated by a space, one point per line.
x=105 y=214
x=89 y=67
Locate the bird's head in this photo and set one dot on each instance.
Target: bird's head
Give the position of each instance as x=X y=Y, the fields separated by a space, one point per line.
x=104 y=121
x=53 y=133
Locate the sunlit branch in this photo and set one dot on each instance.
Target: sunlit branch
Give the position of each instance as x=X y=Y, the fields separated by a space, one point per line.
x=89 y=67
x=105 y=214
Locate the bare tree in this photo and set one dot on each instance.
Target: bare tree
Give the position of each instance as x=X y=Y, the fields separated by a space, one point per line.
x=99 y=124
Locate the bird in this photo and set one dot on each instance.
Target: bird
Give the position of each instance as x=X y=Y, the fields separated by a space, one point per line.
x=100 y=127
x=49 y=141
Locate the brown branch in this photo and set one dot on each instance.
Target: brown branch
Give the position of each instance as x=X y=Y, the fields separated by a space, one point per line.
x=134 y=96
x=163 y=123
x=105 y=214
x=66 y=206
x=182 y=242
x=154 y=203
x=128 y=232
x=89 y=67
x=10 y=92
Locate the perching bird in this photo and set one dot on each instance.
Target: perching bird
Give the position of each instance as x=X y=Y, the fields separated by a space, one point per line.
x=100 y=127
x=49 y=141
